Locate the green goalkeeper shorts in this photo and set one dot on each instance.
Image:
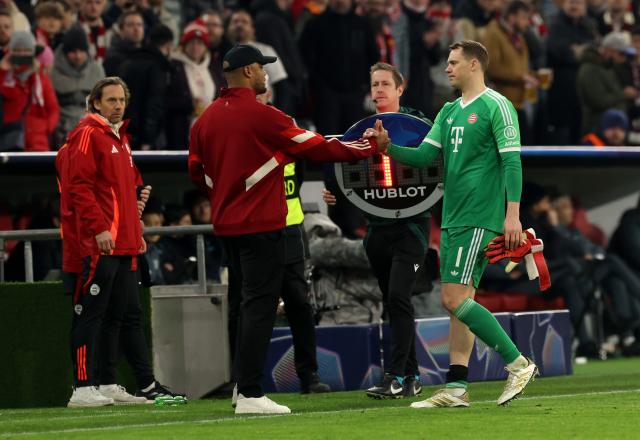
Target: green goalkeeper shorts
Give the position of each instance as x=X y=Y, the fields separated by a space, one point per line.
x=462 y=256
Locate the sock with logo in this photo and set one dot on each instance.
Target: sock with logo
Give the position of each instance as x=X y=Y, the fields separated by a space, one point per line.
x=486 y=327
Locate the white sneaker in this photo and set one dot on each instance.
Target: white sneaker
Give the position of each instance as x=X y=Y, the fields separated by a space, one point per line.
x=234 y=396
x=88 y=397
x=259 y=405
x=516 y=382
x=443 y=399
x=120 y=396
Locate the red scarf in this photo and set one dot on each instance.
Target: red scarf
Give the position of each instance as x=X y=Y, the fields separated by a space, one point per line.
x=97 y=36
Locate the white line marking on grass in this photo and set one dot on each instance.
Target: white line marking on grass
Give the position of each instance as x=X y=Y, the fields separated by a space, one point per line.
x=309 y=413
x=15 y=419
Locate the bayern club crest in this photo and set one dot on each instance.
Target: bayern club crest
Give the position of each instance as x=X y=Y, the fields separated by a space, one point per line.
x=472 y=118
x=383 y=187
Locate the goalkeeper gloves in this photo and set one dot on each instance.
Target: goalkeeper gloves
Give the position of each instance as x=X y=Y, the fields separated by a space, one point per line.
x=530 y=250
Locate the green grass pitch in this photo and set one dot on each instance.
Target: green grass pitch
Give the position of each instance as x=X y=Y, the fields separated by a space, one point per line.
x=601 y=400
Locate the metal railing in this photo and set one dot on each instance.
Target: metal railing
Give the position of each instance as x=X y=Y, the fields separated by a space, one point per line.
x=30 y=235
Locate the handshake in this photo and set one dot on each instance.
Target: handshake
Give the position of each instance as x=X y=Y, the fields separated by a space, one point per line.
x=380 y=134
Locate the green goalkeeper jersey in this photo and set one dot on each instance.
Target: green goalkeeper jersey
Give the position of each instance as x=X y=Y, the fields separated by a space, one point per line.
x=480 y=141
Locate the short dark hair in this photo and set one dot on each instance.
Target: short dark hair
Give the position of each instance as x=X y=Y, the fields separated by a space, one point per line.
x=128 y=13
x=49 y=10
x=515 y=6
x=96 y=92
x=5 y=12
x=472 y=49
x=395 y=73
x=159 y=35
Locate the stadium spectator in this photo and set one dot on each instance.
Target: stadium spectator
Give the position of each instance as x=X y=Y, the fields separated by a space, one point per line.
x=153 y=217
x=376 y=14
x=147 y=74
x=47 y=255
x=509 y=59
x=19 y=20
x=612 y=130
x=440 y=12
x=599 y=87
x=399 y=25
x=199 y=206
x=631 y=76
x=620 y=285
x=570 y=280
x=69 y=14
x=242 y=31
x=424 y=53
x=30 y=107
x=192 y=86
x=49 y=22
x=164 y=16
x=117 y=8
x=338 y=87
x=178 y=259
x=274 y=27
x=625 y=240
x=130 y=38
x=474 y=16
x=73 y=76
x=6 y=29
x=218 y=45
x=90 y=17
x=616 y=17
x=310 y=9
x=569 y=35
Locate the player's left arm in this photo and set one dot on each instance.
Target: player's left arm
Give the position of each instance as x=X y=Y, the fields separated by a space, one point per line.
x=506 y=132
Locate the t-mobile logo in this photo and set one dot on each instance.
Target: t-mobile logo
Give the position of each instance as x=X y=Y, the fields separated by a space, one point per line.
x=456 y=140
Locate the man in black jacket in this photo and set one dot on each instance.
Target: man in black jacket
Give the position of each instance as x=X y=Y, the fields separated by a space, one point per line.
x=147 y=75
x=273 y=27
x=124 y=44
x=569 y=35
x=338 y=47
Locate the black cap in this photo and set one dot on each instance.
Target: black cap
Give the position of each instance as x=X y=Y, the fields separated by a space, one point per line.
x=242 y=55
x=74 y=39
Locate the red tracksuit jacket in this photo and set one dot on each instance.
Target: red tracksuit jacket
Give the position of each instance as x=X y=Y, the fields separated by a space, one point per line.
x=238 y=150
x=101 y=184
x=71 y=253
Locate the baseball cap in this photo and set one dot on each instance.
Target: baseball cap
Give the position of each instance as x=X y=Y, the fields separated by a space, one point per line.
x=619 y=41
x=242 y=55
x=614 y=118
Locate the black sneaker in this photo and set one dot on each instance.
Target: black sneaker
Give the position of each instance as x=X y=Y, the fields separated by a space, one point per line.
x=313 y=385
x=160 y=395
x=412 y=386
x=389 y=388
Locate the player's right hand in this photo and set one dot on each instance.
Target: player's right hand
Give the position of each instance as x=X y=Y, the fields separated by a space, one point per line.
x=106 y=245
x=328 y=198
x=382 y=137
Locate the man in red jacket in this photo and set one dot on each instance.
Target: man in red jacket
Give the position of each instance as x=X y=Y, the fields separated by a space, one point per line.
x=238 y=150
x=100 y=214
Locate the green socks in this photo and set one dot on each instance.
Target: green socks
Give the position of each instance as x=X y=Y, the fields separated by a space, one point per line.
x=486 y=327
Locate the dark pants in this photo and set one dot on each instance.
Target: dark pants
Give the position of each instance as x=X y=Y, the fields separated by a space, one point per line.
x=395 y=253
x=258 y=264
x=297 y=307
x=295 y=294
x=108 y=320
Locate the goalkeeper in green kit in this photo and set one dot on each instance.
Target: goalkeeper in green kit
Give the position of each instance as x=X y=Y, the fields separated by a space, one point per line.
x=478 y=135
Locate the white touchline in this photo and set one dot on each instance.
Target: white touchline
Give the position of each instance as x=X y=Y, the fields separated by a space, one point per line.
x=310 y=413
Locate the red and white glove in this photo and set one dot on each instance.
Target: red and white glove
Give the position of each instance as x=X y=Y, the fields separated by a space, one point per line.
x=530 y=250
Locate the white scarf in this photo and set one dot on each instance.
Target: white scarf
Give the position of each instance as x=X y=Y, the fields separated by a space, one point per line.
x=199 y=78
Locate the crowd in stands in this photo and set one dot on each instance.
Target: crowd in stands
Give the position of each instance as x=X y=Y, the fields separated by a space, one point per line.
x=545 y=56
